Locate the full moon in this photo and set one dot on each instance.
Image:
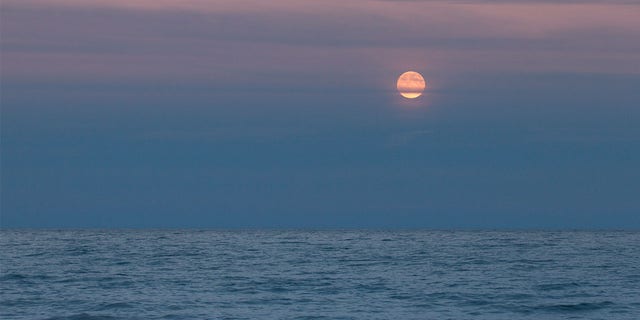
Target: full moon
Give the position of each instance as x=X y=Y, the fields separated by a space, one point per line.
x=411 y=84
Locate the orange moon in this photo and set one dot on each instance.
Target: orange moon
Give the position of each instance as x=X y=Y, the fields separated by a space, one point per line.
x=411 y=84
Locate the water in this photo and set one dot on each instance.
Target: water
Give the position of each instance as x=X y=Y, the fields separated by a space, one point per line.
x=319 y=275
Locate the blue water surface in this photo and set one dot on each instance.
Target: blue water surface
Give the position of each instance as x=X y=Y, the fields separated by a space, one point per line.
x=190 y=274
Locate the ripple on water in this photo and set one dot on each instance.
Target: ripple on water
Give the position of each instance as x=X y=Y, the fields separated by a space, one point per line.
x=575 y=307
x=83 y=316
x=318 y=275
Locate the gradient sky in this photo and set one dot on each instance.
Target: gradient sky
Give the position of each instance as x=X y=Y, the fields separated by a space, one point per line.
x=284 y=114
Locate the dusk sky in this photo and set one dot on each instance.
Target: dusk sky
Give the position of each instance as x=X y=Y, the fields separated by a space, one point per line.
x=285 y=114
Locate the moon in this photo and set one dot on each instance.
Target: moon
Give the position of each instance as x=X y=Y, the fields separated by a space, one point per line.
x=411 y=84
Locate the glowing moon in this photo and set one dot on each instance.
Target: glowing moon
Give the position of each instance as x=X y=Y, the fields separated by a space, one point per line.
x=411 y=84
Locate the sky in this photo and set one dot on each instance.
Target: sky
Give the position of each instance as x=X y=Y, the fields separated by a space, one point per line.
x=285 y=114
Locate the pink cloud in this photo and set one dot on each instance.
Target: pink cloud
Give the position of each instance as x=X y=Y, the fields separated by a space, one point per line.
x=310 y=42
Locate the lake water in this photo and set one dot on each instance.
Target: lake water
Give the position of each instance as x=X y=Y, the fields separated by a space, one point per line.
x=160 y=274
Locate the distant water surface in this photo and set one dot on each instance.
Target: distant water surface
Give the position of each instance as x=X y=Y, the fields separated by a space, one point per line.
x=319 y=275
